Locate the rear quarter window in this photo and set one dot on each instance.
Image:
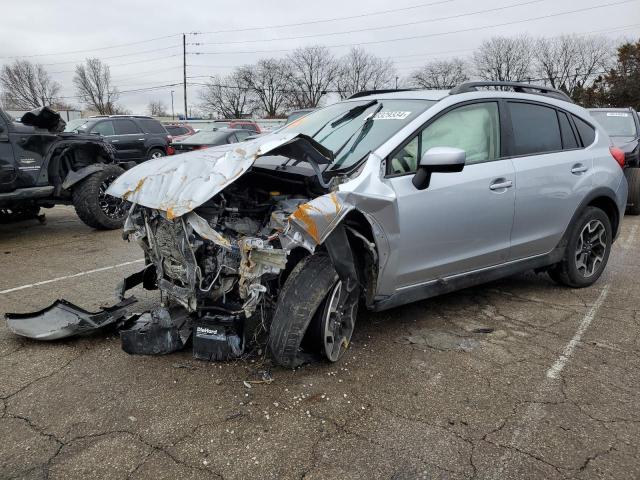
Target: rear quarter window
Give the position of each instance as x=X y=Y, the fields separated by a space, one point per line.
x=587 y=132
x=151 y=126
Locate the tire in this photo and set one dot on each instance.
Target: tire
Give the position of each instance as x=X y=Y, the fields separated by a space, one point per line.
x=155 y=153
x=579 y=270
x=633 y=198
x=302 y=299
x=96 y=209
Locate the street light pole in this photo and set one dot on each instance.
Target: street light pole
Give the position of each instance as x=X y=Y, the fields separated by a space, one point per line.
x=173 y=115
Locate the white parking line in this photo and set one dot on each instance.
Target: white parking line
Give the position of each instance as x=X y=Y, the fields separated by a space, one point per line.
x=66 y=277
x=559 y=364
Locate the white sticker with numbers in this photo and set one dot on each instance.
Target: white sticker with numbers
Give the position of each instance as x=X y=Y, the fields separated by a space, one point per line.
x=391 y=115
x=617 y=114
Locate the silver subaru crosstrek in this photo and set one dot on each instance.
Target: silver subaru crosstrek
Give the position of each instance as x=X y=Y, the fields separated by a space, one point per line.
x=380 y=200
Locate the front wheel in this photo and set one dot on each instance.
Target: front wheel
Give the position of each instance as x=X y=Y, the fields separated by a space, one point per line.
x=315 y=314
x=587 y=250
x=94 y=207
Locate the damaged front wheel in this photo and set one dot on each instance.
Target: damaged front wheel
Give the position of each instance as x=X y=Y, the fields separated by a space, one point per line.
x=315 y=314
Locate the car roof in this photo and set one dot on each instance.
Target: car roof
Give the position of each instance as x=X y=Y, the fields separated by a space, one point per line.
x=433 y=95
x=611 y=109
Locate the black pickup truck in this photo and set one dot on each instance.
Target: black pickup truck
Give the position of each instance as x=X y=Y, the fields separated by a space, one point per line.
x=42 y=166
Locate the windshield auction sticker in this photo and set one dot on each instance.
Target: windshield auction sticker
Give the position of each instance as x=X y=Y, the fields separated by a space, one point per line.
x=617 y=114
x=391 y=115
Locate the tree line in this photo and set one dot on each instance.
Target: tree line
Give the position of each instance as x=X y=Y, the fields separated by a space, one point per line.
x=591 y=69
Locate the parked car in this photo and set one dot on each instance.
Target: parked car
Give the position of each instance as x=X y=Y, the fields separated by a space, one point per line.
x=379 y=200
x=135 y=138
x=202 y=140
x=236 y=124
x=296 y=114
x=623 y=127
x=41 y=167
x=179 y=131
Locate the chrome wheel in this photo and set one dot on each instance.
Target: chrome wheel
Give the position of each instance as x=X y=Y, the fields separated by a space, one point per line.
x=156 y=154
x=112 y=207
x=337 y=322
x=591 y=248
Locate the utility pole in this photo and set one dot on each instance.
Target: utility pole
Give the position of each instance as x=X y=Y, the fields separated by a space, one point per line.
x=184 y=72
x=173 y=115
x=396 y=83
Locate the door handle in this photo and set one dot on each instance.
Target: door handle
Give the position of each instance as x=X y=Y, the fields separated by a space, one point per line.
x=500 y=184
x=141 y=139
x=114 y=141
x=579 y=169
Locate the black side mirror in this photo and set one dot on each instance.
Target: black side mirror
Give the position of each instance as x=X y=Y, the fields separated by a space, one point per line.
x=438 y=159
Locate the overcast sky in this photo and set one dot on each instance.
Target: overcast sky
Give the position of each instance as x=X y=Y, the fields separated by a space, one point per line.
x=54 y=28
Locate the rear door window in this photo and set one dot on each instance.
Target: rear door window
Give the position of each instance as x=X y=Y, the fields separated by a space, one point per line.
x=587 y=132
x=124 y=126
x=152 y=126
x=569 y=140
x=176 y=131
x=104 y=128
x=535 y=129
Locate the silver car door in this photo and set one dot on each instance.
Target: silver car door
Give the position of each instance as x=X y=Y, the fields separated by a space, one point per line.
x=462 y=221
x=551 y=179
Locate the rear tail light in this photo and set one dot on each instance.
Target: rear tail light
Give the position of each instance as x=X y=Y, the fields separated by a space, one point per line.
x=170 y=150
x=618 y=155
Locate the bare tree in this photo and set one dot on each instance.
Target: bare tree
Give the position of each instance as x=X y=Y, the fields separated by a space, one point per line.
x=360 y=71
x=157 y=108
x=268 y=79
x=228 y=97
x=570 y=61
x=313 y=70
x=504 y=58
x=441 y=74
x=94 y=88
x=27 y=85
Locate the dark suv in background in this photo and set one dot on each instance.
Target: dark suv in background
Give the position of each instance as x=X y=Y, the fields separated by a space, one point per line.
x=135 y=138
x=623 y=127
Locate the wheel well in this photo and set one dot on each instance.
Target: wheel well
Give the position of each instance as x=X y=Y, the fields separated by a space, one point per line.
x=73 y=157
x=608 y=206
x=364 y=252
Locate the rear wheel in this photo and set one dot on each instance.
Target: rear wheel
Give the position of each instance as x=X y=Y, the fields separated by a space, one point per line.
x=633 y=198
x=587 y=251
x=155 y=153
x=94 y=207
x=315 y=315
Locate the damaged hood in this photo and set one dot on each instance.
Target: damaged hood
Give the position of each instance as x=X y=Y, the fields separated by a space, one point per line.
x=178 y=184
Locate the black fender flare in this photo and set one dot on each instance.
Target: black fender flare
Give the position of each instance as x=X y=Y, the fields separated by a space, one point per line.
x=74 y=177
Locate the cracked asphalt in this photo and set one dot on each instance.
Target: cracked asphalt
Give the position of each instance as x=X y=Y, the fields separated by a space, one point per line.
x=518 y=378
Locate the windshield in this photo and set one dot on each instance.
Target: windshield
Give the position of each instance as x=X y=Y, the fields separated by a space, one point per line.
x=617 y=124
x=353 y=137
x=207 y=138
x=75 y=125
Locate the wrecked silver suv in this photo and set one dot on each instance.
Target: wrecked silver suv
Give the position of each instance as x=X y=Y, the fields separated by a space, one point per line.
x=376 y=201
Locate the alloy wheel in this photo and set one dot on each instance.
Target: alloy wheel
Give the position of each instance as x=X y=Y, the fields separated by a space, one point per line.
x=337 y=323
x=591 y=248
x=112 y=207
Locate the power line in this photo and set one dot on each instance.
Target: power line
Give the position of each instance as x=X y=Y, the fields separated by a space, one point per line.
x=314 y=22
x=115 y=56
x=92 y=49
x=437 y=34
x=369 y=29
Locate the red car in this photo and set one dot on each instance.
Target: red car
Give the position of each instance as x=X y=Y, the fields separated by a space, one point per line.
x=180 y=131
x=234 y=124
